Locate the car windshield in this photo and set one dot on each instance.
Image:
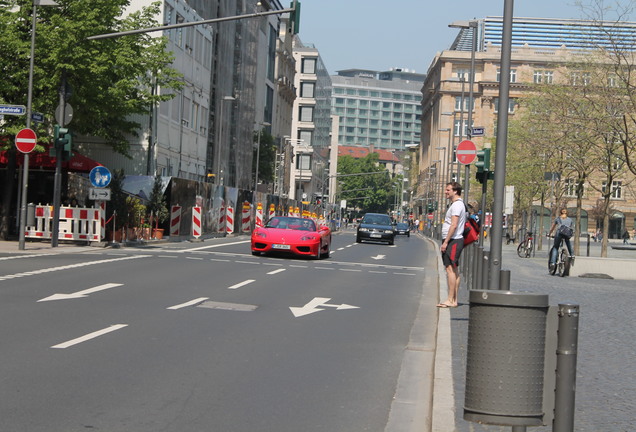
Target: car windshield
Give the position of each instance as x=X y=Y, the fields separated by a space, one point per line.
x=282 y=222
x=402 y=225
x=376 y=220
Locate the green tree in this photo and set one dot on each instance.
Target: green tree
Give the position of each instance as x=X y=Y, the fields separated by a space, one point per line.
x=111 y=80
x=372 y=191
x=157 y=205
x=266 y=158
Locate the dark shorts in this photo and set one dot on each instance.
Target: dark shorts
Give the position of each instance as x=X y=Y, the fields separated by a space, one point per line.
x=453 y=251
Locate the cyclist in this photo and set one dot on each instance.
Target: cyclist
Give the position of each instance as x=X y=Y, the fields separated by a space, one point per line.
x=564 y=227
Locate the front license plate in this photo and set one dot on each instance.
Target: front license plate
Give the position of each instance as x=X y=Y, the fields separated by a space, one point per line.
x=376 y=235
x=278 y=246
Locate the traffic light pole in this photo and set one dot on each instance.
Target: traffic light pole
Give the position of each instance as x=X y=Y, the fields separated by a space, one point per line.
x=57 y=183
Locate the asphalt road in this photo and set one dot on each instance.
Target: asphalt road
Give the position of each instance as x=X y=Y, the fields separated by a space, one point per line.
x=205 y=336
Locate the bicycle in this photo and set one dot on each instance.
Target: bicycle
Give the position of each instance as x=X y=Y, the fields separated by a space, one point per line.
x=525 y=248
x=563 y=262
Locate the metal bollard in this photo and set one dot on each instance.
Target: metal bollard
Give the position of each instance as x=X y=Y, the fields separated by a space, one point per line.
x=588 y=244
x=504 y=280
x=566 y=368
x=485 y=271
x=479 y=265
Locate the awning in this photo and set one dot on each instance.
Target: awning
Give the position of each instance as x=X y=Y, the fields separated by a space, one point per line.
x=78 y=163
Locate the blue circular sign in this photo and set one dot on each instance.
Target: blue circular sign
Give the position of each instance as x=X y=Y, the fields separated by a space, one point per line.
x=100 y=176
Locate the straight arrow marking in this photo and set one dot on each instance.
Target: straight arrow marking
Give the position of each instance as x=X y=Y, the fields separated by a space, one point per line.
x=80 y=294
x=90 y=336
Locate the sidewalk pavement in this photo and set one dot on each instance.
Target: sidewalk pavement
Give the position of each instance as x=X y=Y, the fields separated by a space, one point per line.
x=603 y=392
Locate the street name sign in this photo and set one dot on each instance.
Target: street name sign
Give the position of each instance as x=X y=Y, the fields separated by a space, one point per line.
x=12 y=109
x=478 y=131
x=466 y=152
x=25 y=140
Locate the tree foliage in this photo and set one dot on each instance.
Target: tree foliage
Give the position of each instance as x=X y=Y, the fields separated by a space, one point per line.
x=109 y=81
x=369 y=192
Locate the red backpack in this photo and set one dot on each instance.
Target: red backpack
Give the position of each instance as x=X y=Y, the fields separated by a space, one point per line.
x=471 y=229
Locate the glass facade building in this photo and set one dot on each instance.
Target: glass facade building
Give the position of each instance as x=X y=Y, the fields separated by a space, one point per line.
x=379 y=109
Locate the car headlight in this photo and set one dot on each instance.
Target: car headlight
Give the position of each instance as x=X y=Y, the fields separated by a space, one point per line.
x=260 y=234
x=363 y=229
x=308 y=237
x=388 y=231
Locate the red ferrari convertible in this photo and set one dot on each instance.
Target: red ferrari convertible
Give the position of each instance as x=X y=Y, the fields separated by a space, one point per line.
x=292 y=235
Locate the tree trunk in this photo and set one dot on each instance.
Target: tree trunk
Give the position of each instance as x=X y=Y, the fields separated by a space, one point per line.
x=606 y=203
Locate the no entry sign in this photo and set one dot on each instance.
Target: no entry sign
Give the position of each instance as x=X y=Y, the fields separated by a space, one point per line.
x=25 y=140
x=466 y=152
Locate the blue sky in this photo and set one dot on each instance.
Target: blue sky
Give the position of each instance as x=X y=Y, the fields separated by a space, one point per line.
x=380 y=34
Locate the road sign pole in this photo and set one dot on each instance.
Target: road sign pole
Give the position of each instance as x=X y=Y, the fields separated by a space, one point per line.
x=57 y=184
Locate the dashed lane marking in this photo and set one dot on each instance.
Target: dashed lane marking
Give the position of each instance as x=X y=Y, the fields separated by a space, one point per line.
x=241 y=284
x=190 y=303
x=90 y=336
x=68 y=267
x=276 y=271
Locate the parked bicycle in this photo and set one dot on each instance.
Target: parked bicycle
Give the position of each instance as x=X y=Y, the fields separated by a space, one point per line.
x=563 y=263
x=525 y=248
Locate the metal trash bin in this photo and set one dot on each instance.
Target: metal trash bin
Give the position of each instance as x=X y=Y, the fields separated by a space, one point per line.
x=506 y=358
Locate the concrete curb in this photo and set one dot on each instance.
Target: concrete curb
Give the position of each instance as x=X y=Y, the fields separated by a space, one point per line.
x=443 y=393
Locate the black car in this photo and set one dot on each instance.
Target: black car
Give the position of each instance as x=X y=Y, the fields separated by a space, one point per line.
x=402 y=229
x=376 y=227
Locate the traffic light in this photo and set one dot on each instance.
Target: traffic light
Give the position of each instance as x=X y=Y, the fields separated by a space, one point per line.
x=483 y=165
x=294 y=18
x=63 y=142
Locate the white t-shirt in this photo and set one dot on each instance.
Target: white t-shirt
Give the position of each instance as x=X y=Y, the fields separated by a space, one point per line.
x=457 y=208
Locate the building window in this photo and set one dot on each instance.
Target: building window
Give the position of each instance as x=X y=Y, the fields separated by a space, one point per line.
x=617 y=189
x=463 y=74
x=305 y=136
x=308 y=65
x=570 y=187
x=512 y=103
x=306 y=113
x=457 y=127
x=513 y=75
x=543 y=77
x=580 y=78
x=458 y=103
x=307 y=89
x=303 y=161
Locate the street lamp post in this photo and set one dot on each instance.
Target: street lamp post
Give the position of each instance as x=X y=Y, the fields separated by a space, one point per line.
x=221 y=139
x=258 y=151
x=25 y=165
x=469 y=25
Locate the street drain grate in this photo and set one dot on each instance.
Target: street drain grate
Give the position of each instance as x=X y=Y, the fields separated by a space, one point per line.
x=228 y=306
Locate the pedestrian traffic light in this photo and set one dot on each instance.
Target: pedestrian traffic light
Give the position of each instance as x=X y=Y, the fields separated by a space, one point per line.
x=483 y=165
x=63 y=142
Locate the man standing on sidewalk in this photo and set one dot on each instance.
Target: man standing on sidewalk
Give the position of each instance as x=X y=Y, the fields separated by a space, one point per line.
x=453 y=241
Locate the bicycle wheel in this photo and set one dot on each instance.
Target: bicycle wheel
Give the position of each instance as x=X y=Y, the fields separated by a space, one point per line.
x=553 y=269
x=521 y=250
x=565 y=263
x=529 y=248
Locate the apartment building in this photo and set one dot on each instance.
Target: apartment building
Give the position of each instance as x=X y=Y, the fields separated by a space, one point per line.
x=542 y=49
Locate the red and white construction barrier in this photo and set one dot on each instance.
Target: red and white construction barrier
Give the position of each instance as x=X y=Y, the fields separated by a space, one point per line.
x=101 y=205
x=229 y=220
x=196 y=222
x=175 y=220
x=76 y=223
x=259 y=215
x=272 y=211
x=246 y=217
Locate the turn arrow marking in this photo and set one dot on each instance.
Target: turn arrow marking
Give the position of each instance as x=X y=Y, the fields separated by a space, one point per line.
x=378 y=257
x=313 y=306
x=80 y=294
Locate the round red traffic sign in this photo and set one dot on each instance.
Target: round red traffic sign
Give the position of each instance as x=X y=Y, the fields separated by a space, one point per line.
x=25 y=140
x=466 y=152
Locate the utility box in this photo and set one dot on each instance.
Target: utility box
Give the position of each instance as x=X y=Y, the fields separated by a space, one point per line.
x=506 y=358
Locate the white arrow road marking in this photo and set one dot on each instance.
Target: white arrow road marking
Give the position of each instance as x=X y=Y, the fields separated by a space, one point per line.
x=378 y=257
x=68 y=267
x=190 y=303
x=312 y=307
x=90 y=336
x=275 y=271
x=238 y=285
x=80 y=294
x=212 y=246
